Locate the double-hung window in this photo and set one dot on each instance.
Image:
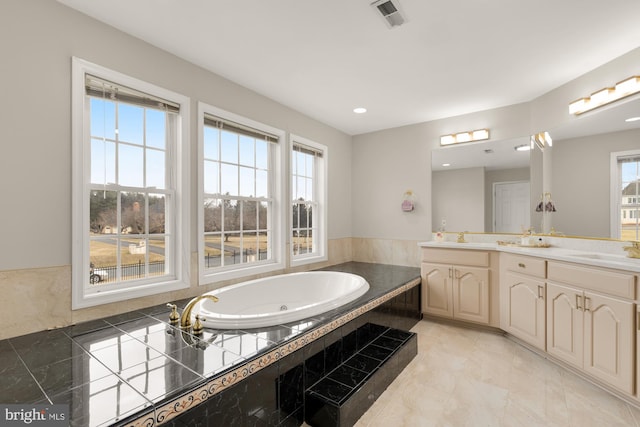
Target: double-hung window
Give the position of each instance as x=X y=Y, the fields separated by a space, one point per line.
x=240 y=185
x=625 y=195
x=308 y=201
x=130 y=195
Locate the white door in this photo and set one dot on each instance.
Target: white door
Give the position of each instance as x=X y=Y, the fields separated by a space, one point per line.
x=511 y=207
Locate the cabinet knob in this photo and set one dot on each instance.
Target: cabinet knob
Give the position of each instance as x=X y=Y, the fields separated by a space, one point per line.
x=521 y=265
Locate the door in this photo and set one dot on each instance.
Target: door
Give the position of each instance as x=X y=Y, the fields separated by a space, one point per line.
x=511 y=207
x=565 y=323
x=524 y=309
x=436 y=287
x=608 y=340
x=471 y=294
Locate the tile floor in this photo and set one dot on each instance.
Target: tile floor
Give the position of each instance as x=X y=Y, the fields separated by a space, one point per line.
x=465 y=377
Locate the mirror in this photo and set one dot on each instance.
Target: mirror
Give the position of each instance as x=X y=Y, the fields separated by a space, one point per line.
x=465 y=179
x=582 y=171
x=576 y=173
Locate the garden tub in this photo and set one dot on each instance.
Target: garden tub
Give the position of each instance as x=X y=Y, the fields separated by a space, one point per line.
x=279 y=299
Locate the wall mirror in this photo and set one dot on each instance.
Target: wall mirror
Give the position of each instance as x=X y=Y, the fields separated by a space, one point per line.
x=481 y=187
x=586 y=179
x=578 y=173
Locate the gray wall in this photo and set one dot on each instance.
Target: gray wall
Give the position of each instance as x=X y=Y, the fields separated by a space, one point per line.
x=581 y=181
x=37 y=40
x=389 y=162
x=458 y=196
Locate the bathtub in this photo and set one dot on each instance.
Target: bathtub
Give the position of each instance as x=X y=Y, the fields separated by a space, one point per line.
x=279 y=299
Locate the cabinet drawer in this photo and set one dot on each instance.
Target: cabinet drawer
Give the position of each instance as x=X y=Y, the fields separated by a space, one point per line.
x=607 y=281
x=456 y=256
x=524 y=265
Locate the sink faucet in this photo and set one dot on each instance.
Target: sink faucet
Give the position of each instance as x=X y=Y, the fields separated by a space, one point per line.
x=461 y=237
x=634 y=250
x=185 y=319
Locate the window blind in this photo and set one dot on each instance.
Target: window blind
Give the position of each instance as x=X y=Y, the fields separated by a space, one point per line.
x=238 y=128
x=305 y=149
x=100 y=88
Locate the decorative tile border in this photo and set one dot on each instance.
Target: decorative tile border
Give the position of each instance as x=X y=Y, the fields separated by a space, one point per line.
x=195 y=397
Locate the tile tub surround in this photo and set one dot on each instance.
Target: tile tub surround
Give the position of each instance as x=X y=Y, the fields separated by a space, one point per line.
x=48 y=290
x=136 y=369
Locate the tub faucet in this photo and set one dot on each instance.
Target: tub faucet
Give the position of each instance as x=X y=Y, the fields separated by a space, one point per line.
x=634 y=250
x=185 y=319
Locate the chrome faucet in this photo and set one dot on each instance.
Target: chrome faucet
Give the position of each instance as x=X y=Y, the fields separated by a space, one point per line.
x=634 y=250
x=185 y=319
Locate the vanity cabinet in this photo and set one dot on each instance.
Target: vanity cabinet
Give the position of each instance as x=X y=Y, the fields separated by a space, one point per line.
x=522 y=298
x=456 y=284
x=588 y=327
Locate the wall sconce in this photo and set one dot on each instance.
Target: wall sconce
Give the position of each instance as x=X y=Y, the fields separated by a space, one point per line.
x=541 y=140
x=625 y=88
x=469 y=136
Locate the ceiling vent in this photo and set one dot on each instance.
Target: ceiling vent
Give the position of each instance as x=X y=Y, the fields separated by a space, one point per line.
x=390 y=11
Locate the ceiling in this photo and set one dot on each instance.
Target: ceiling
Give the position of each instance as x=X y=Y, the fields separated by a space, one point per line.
x=324 y=58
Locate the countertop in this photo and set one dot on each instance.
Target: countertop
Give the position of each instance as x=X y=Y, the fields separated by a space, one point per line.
x=588 y=257
x=114 y=369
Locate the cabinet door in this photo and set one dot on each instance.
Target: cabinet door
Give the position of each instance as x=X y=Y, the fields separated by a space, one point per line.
x=471 y=294
x=608 y=340
x=565 y=323
x=436 y=289
x=523 y=308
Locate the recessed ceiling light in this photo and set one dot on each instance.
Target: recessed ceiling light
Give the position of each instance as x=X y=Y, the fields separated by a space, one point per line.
x=359 y=110
x=523 y=147
x=446 y=164
x=632 y=119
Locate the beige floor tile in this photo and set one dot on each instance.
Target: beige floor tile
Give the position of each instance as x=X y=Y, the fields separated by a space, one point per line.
x=464 y=377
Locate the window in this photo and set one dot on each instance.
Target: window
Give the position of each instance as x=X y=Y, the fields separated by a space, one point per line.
x=240 y=187
x=308 y=199
x=130 y=236
x=625 y=195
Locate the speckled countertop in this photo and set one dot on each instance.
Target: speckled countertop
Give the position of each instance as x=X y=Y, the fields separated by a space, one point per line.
x=112 y=369
x=588 y=255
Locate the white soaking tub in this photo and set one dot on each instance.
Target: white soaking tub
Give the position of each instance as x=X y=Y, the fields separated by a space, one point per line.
x=279 y=299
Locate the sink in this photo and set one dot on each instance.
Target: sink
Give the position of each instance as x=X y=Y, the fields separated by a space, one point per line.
x=603 y=257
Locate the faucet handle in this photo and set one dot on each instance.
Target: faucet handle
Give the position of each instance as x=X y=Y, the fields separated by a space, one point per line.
x=198 y=327
x=174 y=316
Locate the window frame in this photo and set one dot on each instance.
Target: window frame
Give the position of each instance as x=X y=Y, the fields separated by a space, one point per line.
x=615 y=191
x=320 y=188
x=81 y=183
x=277 y=262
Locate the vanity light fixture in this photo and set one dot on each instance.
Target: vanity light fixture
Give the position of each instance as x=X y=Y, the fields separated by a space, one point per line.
x=446 y=164
x=523 y=147
x=469 y=136
x=632 y=119
x=605 y=96
x=541 y=140
x=359 y=110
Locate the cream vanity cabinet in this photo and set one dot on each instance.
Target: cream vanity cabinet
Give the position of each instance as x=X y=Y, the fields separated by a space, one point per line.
x=455 y=284
x=522 y=298
x=590 y=321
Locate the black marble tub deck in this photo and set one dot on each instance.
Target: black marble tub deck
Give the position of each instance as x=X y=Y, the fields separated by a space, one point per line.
x=112 y=370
